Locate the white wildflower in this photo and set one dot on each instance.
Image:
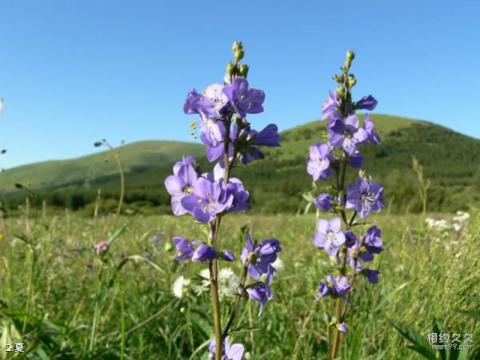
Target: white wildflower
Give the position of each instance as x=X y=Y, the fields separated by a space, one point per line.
x=461 y=217
x=180 y=286
x=204 y=284
x=228 y=282
x=457 y=227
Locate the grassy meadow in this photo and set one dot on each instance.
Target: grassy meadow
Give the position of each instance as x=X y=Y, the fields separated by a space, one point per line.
x=66 y=302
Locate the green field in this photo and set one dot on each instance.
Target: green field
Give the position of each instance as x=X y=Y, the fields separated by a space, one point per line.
x=53 y=286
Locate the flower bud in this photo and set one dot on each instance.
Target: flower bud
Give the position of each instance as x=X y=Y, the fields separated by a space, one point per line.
x=230 y=69
x=348 y=60
x=341 y=92
x=243 y=70
x=101 y=247
x=237 y=49
x=350 y=55
x=352 y=81
x=339 y=78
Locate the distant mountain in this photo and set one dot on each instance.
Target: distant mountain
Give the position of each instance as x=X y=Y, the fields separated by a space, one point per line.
x=450 y=161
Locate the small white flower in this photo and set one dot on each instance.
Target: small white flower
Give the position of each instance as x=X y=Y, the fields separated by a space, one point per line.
x=461 y=216
x=180 y=286
x=228 y=282
x=430 y=222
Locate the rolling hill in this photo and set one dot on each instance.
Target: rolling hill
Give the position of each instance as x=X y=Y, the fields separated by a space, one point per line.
x=450 y=161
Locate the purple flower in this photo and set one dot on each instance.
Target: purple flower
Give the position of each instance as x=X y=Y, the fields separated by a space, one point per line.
x=350 y=239
x=203 y=253
x=102 y=247
x=236 y=189
x=260 y=257
x=365 y=197
x=324 y=202
x=209 y=105
x=249 y=140
x=244 y=100
x=342 y=328
x=371 y=275
x=373 y=137
x=318 y=165
x=347 y=134
x=184 y=248
x=261 y=291
x=355 y=160
x=227 y=256
x=366 y=103
x=329 y=235
x=373 y=241
x=186 y=161
x=335 y=286
x=198 y=104
x=212 y=132
x=356 y=255
x=266 y=137
x=330 y=107
x=229 y=351
x=180 y=183
x=208 y=199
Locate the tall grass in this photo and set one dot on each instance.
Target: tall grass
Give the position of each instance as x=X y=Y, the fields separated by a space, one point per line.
x=53 y=287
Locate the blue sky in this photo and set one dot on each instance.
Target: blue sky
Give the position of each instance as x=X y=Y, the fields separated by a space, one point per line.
x=72 y=72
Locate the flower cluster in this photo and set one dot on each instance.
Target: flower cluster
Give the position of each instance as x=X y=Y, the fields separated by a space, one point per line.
x=346 y=136
x=258 y=260
x=204 y=196
x=231 y=101
x=229 y=139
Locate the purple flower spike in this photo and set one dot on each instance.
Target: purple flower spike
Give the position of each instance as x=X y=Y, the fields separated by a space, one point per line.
x=319 y=162
x=365 y=197
x=184 y=248
x=244 y=100
x=324 y=202
x=366 y=103
x=329 y=235
x=229 y=351
x=203 y=253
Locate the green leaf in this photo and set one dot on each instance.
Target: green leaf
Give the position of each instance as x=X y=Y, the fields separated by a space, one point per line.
x=418 y=342
x=474 y=314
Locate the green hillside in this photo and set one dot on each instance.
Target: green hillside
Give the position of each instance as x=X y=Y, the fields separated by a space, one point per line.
x=450 y=161
x=60 y=173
